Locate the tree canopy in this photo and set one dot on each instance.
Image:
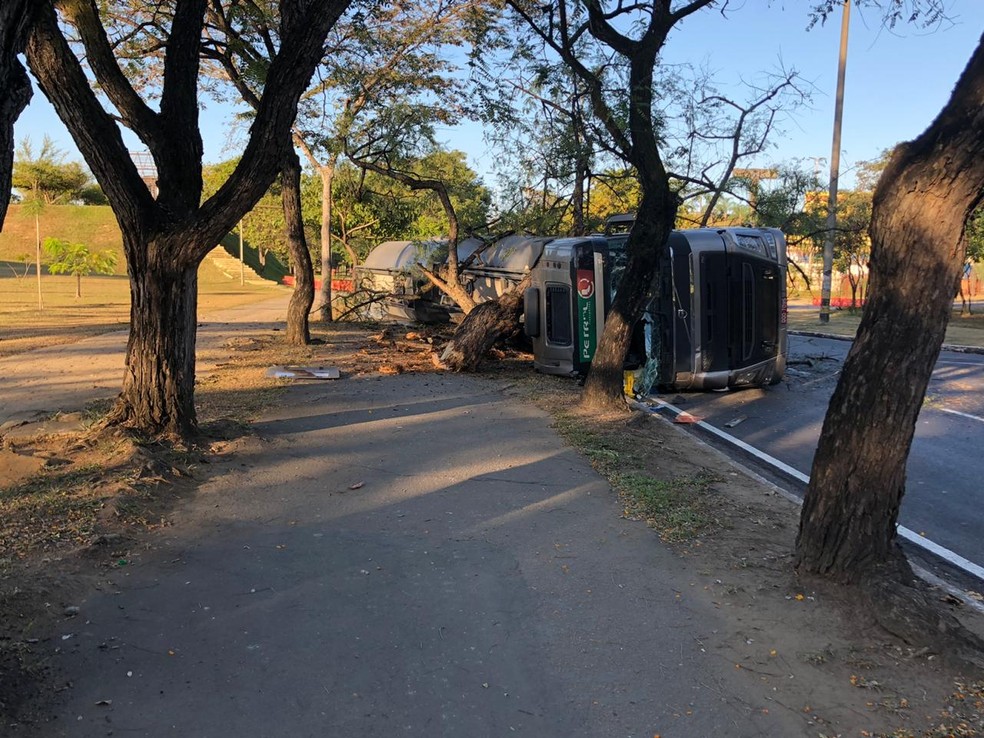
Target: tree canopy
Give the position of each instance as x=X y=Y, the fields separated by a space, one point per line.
x=166 y=233
x=42 y=173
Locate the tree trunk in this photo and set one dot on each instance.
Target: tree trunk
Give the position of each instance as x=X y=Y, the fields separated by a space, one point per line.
x=327 y=173
x=166 y=236
x=578 y=208
x=301 y=300
x=78 y=286
x=15 y=87
x=159 y=377
x=448 y=281
x=648 y=256
x=483 y=327
x=921 y=206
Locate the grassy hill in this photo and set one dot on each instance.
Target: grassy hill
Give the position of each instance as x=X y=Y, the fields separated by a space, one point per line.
x=272 y=268
x=93 y=225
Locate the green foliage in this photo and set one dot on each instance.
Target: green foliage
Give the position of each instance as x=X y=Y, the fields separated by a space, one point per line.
x=470 y=198
x=382 y=58
x=922 y=13
x=869 y=172
x=44 y=178
x=76 y=259
x=852 y=246
x=368 y=208
x=975 y=235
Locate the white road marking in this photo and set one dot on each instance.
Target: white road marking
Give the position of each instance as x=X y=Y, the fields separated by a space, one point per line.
x=962 y=415
x=771 y=460
x=944 y=553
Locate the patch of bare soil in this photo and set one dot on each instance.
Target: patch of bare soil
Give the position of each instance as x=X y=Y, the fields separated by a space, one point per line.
x=31 y=338
x=812 y=646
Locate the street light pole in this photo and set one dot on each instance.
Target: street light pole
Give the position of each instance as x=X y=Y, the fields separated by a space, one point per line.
x=242 y=263
x=828 y=241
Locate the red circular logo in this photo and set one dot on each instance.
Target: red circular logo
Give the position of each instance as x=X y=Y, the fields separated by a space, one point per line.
x=585 y=287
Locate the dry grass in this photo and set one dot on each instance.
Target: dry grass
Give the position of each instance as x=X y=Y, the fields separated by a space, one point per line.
x=803 y=316
x=104 y=305
x=98 y=481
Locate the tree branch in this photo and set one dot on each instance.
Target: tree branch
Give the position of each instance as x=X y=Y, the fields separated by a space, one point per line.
x=136 y=115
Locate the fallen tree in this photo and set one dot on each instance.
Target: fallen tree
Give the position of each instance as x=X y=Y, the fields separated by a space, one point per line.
x=486 y=325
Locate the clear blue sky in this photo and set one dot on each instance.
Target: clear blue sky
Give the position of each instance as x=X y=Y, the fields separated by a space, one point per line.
x=897 y=81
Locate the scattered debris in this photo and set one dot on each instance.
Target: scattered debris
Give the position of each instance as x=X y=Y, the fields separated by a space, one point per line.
x=687 y=418
x=106 y=539
x=391 y=369
x=304 y=372
x=736 y=421
x=357 y=485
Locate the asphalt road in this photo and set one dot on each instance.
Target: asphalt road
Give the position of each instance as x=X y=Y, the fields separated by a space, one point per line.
x=944 y=498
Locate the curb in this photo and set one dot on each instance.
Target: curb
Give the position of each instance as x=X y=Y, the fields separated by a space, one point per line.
x=945 y=347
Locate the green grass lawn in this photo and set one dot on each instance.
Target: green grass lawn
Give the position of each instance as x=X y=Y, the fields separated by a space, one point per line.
x=93 y=225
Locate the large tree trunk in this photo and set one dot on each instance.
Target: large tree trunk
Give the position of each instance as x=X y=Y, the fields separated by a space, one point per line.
x=15 y=87
x=483 y=327
x=647 y=269
x=648 y=256
x=298 y=331
x=167 y=236
x=159 y=377
x=922 y=204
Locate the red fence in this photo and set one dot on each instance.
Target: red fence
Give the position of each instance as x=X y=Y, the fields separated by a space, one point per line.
x=839 y=302
x=338 y=284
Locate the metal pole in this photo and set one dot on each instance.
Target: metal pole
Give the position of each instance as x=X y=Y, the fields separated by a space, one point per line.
x=242 y=267
x=37 y=258
x=828 y=241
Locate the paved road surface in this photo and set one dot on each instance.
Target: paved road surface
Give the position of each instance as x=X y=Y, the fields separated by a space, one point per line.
x=944 y=498
x=479 y=582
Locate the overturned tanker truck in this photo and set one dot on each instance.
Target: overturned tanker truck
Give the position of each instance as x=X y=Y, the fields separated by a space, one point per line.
x=722 y=323
x=404 y=294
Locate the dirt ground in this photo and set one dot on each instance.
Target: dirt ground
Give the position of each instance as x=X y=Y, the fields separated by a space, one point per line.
x=82 y=499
